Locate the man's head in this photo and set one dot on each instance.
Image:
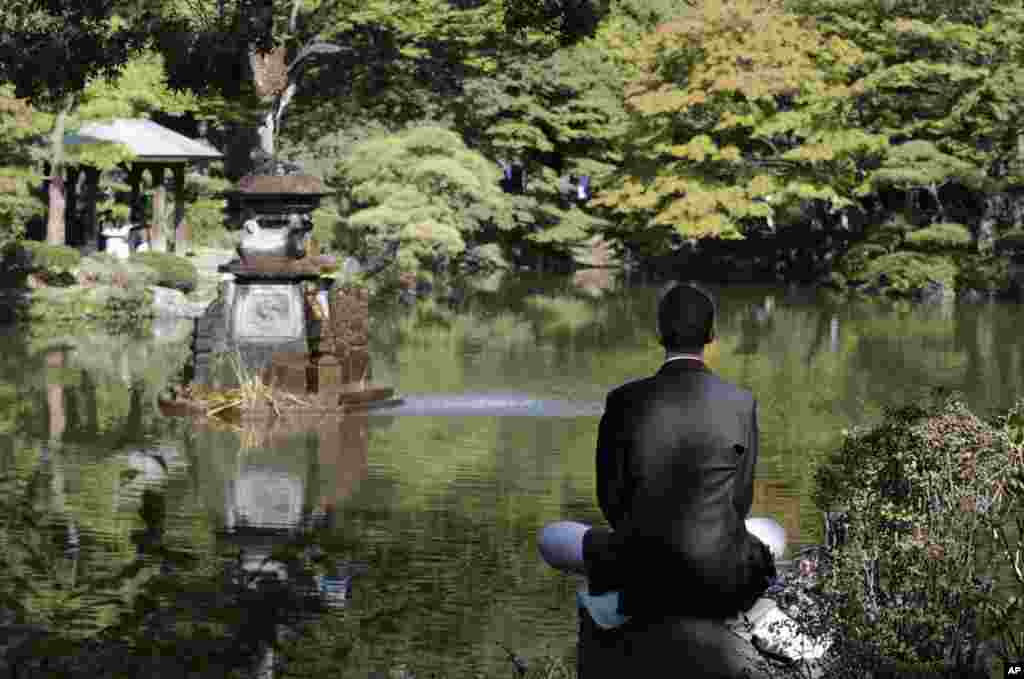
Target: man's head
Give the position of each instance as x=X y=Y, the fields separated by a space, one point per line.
x=686 y=319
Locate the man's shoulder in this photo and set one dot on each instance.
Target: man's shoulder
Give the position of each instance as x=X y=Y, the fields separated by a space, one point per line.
x=731 y=390
x=630 y=391
x=632 y=388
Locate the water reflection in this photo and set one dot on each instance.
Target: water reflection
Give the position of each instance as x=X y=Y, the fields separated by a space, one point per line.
x=443 y=510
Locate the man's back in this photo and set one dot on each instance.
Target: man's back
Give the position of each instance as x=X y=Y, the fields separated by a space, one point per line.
x=675 y=460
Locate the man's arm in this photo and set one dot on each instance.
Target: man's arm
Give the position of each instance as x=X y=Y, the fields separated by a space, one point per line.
x=744 y=495
x=613 y=484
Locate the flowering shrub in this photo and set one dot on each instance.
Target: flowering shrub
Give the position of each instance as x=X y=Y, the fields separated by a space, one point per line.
x=928 y=494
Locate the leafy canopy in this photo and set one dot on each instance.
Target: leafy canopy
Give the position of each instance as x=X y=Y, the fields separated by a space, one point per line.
x=739 y=108
x=424 y=188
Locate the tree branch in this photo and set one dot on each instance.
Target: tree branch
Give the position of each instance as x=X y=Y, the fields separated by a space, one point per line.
x=295 y=16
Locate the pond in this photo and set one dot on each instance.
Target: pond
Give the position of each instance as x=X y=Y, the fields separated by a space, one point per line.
x=443 y=511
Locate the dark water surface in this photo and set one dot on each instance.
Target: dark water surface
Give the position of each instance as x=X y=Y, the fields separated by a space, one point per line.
x=443 y=510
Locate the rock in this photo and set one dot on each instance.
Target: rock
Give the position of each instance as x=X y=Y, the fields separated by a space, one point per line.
x=455 y=298
x=173 y=303
x=170 y=328
x=441 y=264
x=407 y=297
x=932 y=293
x=351 y=267
x=424 y=287
x=973 y=296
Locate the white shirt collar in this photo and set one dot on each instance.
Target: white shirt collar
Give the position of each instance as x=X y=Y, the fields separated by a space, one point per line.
x=692 y=357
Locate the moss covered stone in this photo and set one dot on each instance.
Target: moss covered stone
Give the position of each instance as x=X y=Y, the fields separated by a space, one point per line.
x=904 y=273
x=172 y=271
x=939 y=238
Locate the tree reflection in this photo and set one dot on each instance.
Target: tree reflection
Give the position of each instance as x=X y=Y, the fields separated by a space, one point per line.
x=757 y=324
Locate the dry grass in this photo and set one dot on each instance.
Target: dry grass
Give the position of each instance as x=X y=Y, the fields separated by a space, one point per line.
x=251 y=394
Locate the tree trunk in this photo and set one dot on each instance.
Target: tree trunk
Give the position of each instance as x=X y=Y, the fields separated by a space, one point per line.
x=55 y=225
x=273 y=78
x=266 y=132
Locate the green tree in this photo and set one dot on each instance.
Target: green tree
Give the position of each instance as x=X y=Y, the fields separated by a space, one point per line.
x=49 y=52
x=138 y=90
x=944 y=73
x=740 y=109
x=424 y=189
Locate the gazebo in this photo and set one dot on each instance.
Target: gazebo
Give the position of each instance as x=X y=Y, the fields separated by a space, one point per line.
x=156 y=148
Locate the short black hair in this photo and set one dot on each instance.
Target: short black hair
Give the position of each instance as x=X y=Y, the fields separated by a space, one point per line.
x=686 y=318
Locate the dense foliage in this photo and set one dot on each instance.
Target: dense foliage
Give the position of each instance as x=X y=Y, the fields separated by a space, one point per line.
x=930 y=493
x=422 y=189
x=172 y=271
x=768 y=120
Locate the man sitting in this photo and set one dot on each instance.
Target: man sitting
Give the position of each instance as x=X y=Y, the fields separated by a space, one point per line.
x=676 y=454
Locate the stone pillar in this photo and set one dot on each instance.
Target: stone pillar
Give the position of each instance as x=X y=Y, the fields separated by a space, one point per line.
x=182 y=241
x=350 y=322
x=155 y=229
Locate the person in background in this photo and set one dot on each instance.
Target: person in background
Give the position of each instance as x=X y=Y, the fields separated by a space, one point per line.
x=676 y=454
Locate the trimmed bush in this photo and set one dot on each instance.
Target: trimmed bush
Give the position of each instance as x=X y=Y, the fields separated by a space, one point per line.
x=985 y=273
x=903 y=273
x=51 y=259
x=105 y=269
x=939 y=238
x=854 y=264
x=172 y=271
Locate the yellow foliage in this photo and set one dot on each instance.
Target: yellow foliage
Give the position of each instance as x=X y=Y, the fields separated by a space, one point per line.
x=753 y=86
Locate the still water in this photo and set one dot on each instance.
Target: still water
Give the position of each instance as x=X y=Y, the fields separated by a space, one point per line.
x=442 y=511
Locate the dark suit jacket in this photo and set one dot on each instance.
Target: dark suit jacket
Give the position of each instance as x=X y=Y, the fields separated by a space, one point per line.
x=675 y=478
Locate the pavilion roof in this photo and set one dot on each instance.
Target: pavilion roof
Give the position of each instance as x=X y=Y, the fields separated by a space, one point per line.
x=149 y=141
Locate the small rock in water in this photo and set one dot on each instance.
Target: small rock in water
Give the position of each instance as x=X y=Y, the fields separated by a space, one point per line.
x=351 y=266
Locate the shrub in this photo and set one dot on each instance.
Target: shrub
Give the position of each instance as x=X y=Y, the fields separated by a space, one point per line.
x=206 y=217
x=923 y=490
x=104 y=268
x=172 y=271
x=906 y=272
x=939 y=238
x=17 y=205
x=325 y=224
x=51 y=259
x=854 y=264
x=985 y=273
x=890 y=234
x=1011 y=240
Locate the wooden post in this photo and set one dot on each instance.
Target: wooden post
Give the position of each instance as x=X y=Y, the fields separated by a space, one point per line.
x=155 y=235
x=134 y=179
x=182 y=242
